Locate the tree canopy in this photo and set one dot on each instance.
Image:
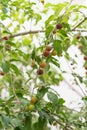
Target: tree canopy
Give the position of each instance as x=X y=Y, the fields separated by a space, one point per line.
x=34 y=36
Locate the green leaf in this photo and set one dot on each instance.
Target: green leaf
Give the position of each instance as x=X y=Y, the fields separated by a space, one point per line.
x=48 y=30
x=53 y=97
x=17 y=122
x=5 y=119
x=1 y=47
x=57 y=44
x=10 y=43
x=55 y=62
x=50 y=19
x=42 y=92
x=61 y=101
x=17 y=128
x=42 y=123
x=16 y=70
x=28 y=124
x=6 y=66
x=4 y=10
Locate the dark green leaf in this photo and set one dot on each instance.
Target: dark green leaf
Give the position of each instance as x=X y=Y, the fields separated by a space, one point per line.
x=53 y=97
x=6 y=66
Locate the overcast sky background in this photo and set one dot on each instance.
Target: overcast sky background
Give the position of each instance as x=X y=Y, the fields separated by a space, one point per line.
x=84 y=2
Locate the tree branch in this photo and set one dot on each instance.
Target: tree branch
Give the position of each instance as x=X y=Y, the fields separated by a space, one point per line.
x=64 y=124
x=23 y=33
x=79 y=23
x=79 y=30
x=42 y=31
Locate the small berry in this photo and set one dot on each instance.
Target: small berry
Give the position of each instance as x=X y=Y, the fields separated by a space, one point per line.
x=85 y=57
x=48 y=48
x=54 y=31
x=33 y=100
x=78 y=37
x=40 y=72
x=54 y=123
x=2 y=73
x=59 y=26
x=54 y=53
x=5 y=38
x=42 y=1
x=43 y=64
x=85 y=67
x=31 y=107
x=46 y=53
x=33 y=64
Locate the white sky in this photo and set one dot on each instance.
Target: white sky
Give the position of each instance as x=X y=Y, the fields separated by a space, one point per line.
x=74 y=1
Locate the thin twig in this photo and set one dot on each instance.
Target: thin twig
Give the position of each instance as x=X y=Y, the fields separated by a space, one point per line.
x=82 y=21
x=37 y=31
x=76 y=79
x=68 y=127
x=24 y=33
x=71 y=87
x=79 y=30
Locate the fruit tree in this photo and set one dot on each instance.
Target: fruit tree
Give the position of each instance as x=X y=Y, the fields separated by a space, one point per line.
x=34 y=37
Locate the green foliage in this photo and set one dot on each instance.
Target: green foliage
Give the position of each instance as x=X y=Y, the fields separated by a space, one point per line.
x=20 y=59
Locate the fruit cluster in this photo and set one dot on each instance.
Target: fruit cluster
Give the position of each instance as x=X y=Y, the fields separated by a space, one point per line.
x=31 y=106
x=47 y=52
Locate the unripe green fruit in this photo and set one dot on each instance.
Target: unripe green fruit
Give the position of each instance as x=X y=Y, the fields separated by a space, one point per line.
x=30 y=107
x=54 y=53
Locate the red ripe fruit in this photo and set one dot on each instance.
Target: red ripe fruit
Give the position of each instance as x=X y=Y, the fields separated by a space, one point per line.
x=59 y=26
x=2 y=73
x=85 y=57
x=33 y=100
x=46 y=53
x=48 y=48
x=54 y=53
x=40 y=72
x=78 y=37
x=5 y=38
x=85 y=67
